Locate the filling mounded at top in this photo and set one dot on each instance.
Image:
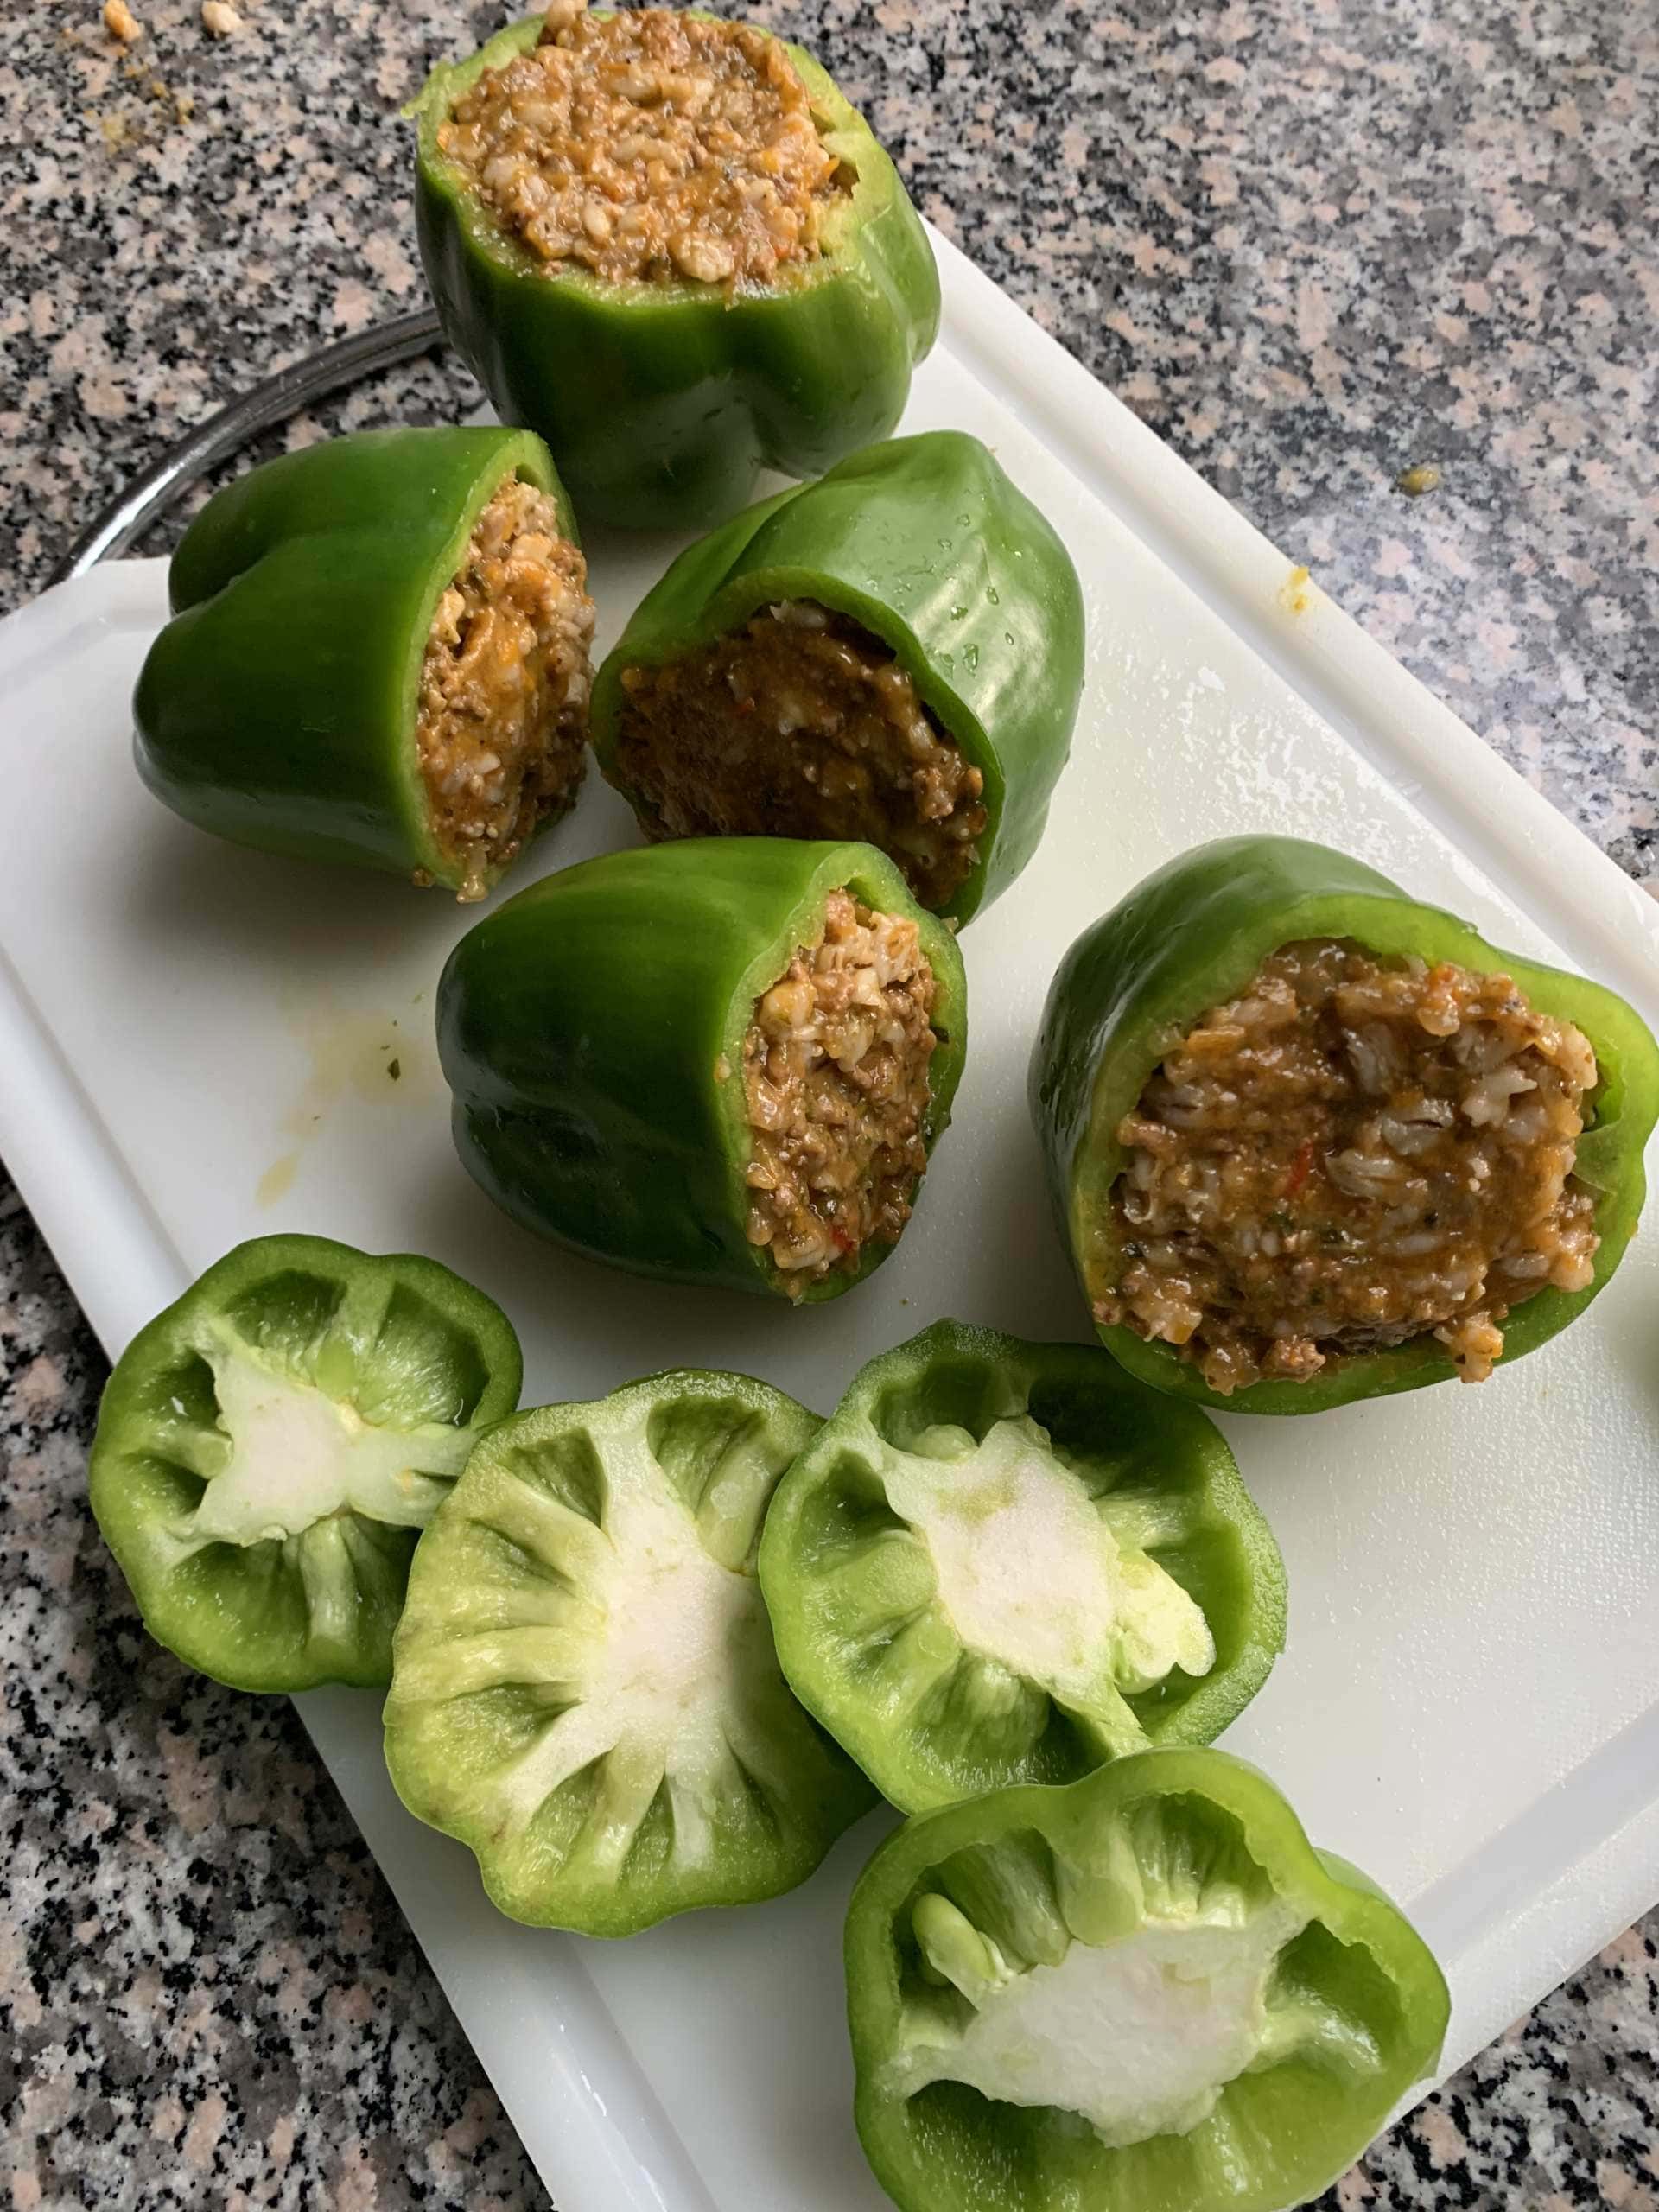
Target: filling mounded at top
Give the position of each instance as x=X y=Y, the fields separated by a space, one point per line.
x=1354 y=1153
x=800 y=724
x=501 y=728
x=835 y=1090
x=647 y=147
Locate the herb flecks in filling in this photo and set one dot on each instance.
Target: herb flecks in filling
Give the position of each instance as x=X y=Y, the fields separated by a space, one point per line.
x=1353 y=1153
x=800 y=724
x=505 y=680
x=835 y=1079
x=649 y=147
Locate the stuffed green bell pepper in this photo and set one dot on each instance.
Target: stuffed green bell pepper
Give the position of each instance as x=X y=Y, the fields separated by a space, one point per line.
x=725 y=1061
x=1310 y=1141
x=667 y=243
x=1004 y=1562
x=1144 y=1992
x=585 y=1690
x=378 y=654
x=269 y=1448
x=893 y=653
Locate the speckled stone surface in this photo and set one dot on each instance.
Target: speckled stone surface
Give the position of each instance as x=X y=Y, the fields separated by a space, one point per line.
x=1313 y=242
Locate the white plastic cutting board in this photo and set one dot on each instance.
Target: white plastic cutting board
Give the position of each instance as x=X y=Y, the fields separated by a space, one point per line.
x=195 y=1043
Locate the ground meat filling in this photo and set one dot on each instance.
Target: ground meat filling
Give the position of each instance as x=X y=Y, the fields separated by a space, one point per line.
x=505 y=680
x=801 y=724
x=835 y=1078
x=1353 y=1153
x=649 y=147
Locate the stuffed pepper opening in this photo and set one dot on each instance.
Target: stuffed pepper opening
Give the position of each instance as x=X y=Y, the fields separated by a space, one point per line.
x=501 y=725
x=649 y=147
x=835 y=1093
x=801 y=724
x=1354 y=1153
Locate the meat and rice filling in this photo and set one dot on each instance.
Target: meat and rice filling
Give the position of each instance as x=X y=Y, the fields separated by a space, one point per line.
x=505 y=680
x=648 y=146
x=1355 y=1153
x=834 y=1078
x=800 y=724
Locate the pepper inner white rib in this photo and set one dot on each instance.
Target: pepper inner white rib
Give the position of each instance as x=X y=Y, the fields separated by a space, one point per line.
x=1139 y=2036
x=290 y=1456
x=1030 y=1573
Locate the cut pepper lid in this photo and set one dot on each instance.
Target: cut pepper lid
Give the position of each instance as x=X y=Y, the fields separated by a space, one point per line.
x=1144 y=1991
x=585 y=1689
x=269 y=1448
x=1002 y=1563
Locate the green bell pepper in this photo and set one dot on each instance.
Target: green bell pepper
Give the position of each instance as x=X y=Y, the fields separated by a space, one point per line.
x=585 y=1690
x=1191 y=938
x=278 y=707
x=270 y=1447
x=1002 y=1563
x=1144 y=1992
x=662 y=401
x=927 y=543
x=592 y=1031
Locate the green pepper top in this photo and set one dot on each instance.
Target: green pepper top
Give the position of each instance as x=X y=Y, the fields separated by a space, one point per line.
x=269 y=1448
x=1003 y=1563
x=278 y=707
x=664 y=401
x=927 y=543
x=1191 y=936
x=1144 y=1992
x=586 y=1691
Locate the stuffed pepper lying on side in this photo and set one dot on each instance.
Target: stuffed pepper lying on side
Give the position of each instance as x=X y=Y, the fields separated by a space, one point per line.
x=893 y=653
x=379 y=654
x=667 y=244
x=723 y=1061
x=1310 y=1141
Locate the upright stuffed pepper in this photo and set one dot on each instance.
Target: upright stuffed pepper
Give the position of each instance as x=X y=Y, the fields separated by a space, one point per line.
x=724 y=1061
x=1310 y=1141
x=378 y=654
x=893 y=653
x=668 y=244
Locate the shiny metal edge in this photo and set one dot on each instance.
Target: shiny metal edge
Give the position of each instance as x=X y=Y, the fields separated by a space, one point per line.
x=124 y=520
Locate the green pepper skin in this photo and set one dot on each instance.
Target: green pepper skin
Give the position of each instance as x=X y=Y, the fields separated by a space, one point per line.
x=1191 y=936
x=1168 y=1463
x=400 y=1342
x=1034 y=1862
x=603 y=1788
x=277 y=708
x=592 y=1028
x=662 y=403
x=927 y=543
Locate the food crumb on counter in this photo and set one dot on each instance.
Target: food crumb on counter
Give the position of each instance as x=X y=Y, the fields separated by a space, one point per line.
x=220 y=18
x=1423 y=476
x=120 y=21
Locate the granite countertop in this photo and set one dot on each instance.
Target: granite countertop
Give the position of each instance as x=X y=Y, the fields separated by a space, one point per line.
x=1314 y=243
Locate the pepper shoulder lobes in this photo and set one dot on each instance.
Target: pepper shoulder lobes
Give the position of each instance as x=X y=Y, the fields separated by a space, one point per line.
x=662 y=401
